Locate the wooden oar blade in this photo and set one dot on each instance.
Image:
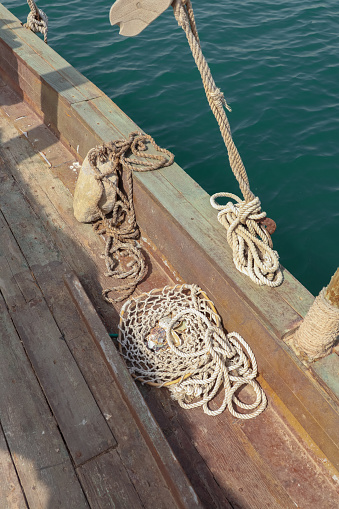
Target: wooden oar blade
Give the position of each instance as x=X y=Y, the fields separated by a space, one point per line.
x=133 y=16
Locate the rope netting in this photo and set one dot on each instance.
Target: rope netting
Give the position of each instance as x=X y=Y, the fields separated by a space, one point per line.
x=37 y=21
x=246 y=233
x=123 y=257
x=173 y=337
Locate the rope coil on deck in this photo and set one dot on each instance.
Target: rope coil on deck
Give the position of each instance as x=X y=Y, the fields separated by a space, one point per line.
x=120 y=229
x=37 y=20
x=260 y=263
x=173 y=337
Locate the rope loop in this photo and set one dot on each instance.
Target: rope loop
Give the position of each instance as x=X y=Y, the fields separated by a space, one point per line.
x=123 y=257
x=37 y=20
x=173 y=337
x=251 y=244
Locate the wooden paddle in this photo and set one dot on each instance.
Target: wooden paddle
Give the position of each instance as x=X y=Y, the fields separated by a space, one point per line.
x=133 y=16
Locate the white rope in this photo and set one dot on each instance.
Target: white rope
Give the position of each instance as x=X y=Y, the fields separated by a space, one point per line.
x=173 y=337
x=37 y=21
x=251 y=243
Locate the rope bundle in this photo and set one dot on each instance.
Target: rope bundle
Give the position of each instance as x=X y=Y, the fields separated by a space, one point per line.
x=251 y=243
x=37 y=21
x=123 y=257
x=173 y=337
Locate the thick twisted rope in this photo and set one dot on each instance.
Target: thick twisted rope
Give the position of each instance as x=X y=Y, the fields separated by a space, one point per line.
x=37 y=21
x=266 y=261
x=193 y=356
x=123 y=257
x=251 y=244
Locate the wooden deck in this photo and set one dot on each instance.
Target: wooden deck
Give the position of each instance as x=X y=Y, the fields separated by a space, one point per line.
x=71 y=433
x=67 y=437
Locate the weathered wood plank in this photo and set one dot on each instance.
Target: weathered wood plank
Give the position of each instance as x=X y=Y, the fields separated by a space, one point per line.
x=310 y=483
x=107 y=484
x=11 y=495
x=211 y=494
x=246 y=479
x=166 y=461
x=38 y=451
x=82 y=424
x=16 y=281
x=326 y=371
x=28 y=123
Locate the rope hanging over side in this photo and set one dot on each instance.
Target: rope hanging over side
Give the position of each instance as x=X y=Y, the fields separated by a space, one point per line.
x=37 y=21
x=123 y=257
x=250 y=241
x=173 y=337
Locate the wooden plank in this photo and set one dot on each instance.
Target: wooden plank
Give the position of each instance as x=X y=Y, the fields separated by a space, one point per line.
x=82 y=424
x=211 y=494
x=134 y=453
x=310 y=483
x=16 y=281
x=326 y=371
x=28 y=123
x=107 y=484
x=166 y=461
x=11 y=495
x=38 y=451
x=233 y=462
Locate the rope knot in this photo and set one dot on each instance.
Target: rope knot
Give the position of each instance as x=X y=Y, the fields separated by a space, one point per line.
x=218 y=98
x=250 y=242
x=249 y=211
x=37 y=20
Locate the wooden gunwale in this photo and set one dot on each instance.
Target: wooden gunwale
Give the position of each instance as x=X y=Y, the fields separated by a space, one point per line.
x=174 y=213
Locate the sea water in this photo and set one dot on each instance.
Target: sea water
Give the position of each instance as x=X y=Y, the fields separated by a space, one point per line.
x=278 y=66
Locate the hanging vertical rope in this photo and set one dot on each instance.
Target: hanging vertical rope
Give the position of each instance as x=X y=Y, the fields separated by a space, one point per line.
x=250 y=241
x=37 y=21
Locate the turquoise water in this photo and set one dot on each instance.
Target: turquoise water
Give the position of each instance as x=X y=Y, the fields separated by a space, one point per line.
x=278 y=66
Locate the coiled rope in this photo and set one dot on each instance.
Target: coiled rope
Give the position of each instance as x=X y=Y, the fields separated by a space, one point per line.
x=123 y=257
x=250 y=241
x=37 y=21
x=173 y=337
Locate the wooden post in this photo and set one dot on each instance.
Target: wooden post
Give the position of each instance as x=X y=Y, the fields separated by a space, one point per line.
x=320 y=329
x=332 y=291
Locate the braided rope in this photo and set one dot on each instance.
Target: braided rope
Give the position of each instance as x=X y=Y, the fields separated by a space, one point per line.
x=194 y=358
x=123 y=257
x=242 y=231
x=37 y=20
